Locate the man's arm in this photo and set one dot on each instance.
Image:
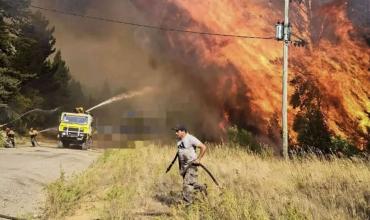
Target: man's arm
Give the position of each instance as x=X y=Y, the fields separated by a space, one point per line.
x=203 y=149
x=196 y=142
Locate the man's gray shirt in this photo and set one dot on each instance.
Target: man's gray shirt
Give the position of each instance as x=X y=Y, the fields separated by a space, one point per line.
x=186 y=148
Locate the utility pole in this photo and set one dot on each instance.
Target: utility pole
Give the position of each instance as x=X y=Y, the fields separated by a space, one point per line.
x=283 y=33
x=285 y=80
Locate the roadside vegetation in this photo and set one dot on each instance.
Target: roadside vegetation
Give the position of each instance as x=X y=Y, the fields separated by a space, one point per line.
x=132 y=184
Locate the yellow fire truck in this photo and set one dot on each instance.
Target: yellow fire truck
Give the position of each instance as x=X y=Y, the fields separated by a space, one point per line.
x=75 y=129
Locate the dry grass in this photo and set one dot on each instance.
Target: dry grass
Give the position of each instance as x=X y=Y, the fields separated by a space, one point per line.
x=131 y=184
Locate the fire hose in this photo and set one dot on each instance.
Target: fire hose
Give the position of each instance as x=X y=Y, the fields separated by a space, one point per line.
x=29 y=112
x=10 y=217
x=190 y=165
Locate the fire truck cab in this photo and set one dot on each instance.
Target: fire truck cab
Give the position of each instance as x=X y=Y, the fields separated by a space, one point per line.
x=75 y=129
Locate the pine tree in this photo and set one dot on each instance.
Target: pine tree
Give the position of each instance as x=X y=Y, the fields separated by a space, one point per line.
x=11 y=14
x=31 y=73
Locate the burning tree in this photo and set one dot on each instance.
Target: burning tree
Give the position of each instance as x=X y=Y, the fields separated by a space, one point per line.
x=247 y=87
x=331 y=75
x=240 y=77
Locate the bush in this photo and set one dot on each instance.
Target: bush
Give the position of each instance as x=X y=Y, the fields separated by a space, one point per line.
x=241 y=137
x=343 y=146
x=2 y=140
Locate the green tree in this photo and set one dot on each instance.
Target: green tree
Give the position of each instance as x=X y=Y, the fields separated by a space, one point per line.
x=309 y=123
x=11 y=16
x=54 y=85
x=31 y=73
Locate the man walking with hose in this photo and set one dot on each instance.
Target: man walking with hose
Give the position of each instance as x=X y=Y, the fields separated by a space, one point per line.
x=188 y=160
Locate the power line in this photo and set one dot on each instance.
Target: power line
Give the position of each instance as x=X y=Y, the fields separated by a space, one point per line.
x=166 y=29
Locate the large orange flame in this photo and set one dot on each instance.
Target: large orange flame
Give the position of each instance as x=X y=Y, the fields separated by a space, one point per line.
x=335 y=60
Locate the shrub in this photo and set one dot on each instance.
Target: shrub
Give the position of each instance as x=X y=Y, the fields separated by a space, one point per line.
x=241 y=137
x=341 y=145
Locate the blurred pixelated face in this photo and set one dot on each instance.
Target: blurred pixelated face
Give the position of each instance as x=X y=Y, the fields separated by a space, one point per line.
x=180 y=134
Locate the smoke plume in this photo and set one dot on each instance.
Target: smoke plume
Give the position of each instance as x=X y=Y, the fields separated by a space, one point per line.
x=209 y=82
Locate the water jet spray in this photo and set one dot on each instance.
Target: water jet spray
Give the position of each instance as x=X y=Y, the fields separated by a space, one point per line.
x=48 y=129
x=119 y=97
x=29 y=112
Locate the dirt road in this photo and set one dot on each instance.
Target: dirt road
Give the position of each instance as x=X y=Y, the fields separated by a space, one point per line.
x=25 y=171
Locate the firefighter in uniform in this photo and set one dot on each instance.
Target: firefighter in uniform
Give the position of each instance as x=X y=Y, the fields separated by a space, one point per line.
x=10 y=135
x=33 y=134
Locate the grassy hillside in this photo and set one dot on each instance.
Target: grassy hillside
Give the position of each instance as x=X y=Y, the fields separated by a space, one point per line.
x=131 y=184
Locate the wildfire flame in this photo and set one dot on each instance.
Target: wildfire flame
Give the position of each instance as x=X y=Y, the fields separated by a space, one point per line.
x=337 y=61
